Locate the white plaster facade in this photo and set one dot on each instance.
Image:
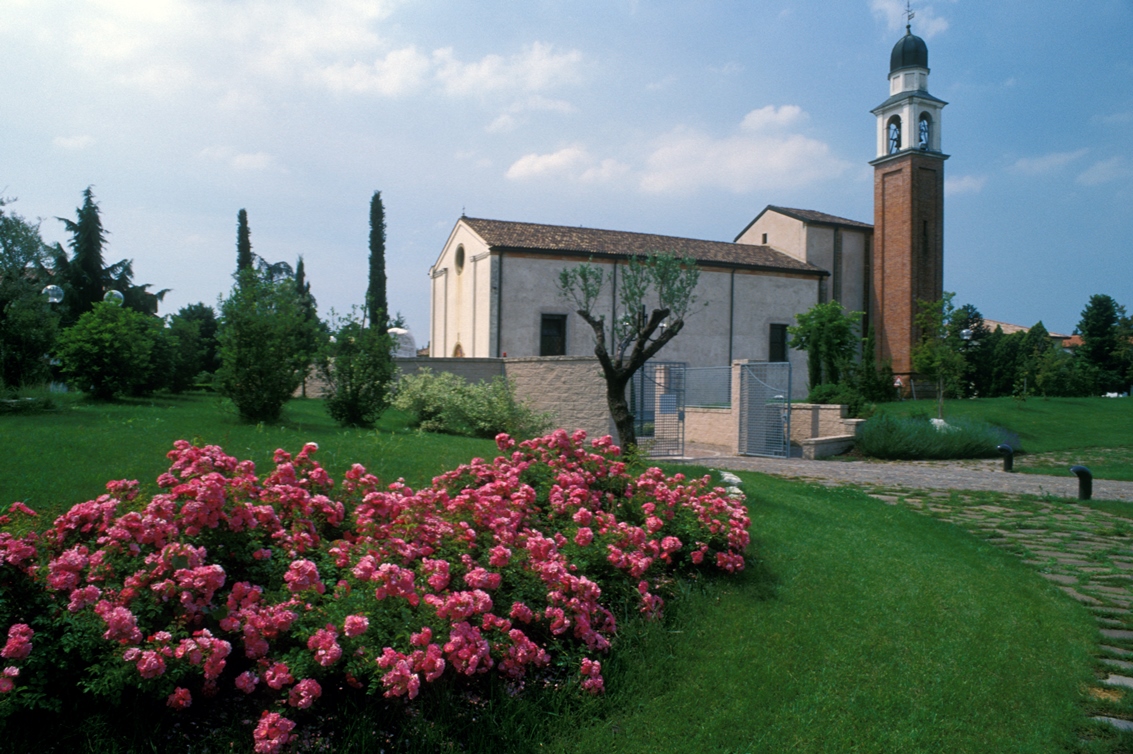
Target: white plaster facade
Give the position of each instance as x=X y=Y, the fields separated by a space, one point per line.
x=489 y=296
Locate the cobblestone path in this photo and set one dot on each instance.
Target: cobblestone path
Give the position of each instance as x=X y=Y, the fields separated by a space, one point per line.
x=1085 y=552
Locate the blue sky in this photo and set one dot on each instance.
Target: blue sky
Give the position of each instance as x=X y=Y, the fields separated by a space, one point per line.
x=673 y=117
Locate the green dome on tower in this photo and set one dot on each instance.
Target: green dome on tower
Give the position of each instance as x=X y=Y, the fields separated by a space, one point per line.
x=909 y=52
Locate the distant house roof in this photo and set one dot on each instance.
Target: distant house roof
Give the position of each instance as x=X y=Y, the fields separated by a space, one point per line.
x=809 y=216
x=1009 y=328
x=505 y=235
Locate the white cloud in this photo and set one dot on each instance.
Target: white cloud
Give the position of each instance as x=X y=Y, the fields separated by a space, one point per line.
x=398 y=72
x=1047 y=163
x=762 y=156
x=73 y=143
x=1105 y=171
x=243 y=161
x=773 y=117
x=535 y=69
x=573 y=163
x=566 y=161
x=965 y=184
x=513 y=118
x=925 y=24
x=604 y=172
x=728 y=69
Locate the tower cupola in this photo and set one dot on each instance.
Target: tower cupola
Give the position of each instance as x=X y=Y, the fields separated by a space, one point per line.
x=910 y=118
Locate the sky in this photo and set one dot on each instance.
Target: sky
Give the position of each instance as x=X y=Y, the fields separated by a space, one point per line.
x=677 y=117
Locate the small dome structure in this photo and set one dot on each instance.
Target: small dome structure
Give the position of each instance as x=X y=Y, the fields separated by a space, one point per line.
x=406 y=346
x=909 y=52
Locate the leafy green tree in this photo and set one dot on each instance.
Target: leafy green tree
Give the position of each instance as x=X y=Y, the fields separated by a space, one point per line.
x=976 y=379
x=1105 y=342
x=109 y=351
x=204 y=317
x=828 y=334
x=86 y=265
x=262 y=346
x=1008 y=350
x=28 y=324
x=939 y=354
x=357 y=368
x=377 y=306
x=243 y=242
x=86 y=276
x=633 y=338
x=1035 y=344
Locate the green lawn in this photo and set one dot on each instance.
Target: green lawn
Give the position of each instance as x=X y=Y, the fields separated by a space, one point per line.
x=860 y=627
x=58 y=458
x=1055 y=433
x=857 y=627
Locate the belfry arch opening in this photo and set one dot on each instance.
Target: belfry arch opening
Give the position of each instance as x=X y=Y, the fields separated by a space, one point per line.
x=894 y=134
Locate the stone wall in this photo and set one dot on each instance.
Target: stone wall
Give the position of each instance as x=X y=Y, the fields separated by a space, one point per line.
x=713 y=427
x=473 y=370
x=810 y=420
x=571 y=388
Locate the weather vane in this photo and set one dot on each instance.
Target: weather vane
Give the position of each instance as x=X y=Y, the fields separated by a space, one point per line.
x=909 y=13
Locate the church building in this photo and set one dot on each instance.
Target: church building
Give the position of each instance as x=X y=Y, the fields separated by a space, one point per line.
x=493 y=287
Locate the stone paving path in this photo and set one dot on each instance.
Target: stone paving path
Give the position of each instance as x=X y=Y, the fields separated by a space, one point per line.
x=950 y=475
x=1086 y=553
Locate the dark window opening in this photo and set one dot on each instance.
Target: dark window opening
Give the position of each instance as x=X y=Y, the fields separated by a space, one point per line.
x=764 y=239
x=894 y=135
x=778 y=348
x=552 y=335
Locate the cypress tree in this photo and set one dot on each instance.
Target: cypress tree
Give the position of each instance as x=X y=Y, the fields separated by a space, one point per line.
x=243 y=242
x=377 y=307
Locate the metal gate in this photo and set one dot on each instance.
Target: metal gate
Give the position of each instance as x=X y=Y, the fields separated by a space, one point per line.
x=765 y=415
x=657 y=400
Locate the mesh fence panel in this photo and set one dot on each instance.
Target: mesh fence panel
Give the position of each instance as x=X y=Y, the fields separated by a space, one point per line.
x=765 y=416
x=708 y=387
x=657 y=400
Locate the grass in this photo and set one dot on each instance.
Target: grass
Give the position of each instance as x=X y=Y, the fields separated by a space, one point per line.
x=54 y=459
x=860 y=627
x=857 y=627
x=1042 y=424
x=1055 y=433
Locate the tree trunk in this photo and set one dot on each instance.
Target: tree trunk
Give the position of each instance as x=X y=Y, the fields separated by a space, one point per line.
x=619 y=410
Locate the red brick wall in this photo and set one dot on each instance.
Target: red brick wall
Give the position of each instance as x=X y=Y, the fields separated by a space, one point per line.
x=908 y=251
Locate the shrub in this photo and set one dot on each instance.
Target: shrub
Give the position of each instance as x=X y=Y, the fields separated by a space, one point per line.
x=357 y=369
x=263 y=346
x=109 y=351
x=449 y=404
x=226 y=586
x=916 y=438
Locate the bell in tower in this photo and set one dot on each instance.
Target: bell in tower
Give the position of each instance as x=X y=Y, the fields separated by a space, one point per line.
x=908 y=205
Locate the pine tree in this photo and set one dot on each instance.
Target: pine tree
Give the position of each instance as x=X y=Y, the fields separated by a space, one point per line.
x=377 y=307
x=243 y=242
x=86 y=267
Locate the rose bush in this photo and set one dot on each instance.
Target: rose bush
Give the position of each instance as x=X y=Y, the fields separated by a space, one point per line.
x=228 y=583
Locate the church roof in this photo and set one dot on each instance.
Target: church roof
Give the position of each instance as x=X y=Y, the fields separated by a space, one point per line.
x=809 y=216
x=502 y=234
x=814 y=217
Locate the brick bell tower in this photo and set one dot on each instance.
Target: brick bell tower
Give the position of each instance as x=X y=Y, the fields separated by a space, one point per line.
x=908 y=205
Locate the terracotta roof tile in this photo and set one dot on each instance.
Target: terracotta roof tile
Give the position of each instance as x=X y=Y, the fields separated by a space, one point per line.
x=814 y=216
x=617 y=243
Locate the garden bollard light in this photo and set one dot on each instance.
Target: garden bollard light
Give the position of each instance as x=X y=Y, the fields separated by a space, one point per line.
x=1085 y=481
x=1008 y=457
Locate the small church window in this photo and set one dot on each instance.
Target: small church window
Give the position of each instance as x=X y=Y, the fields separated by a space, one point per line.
x=924 y=132
x=459 y=259
x=552 y=335
x=777 y=350
x=764 y=239
x=894 y=135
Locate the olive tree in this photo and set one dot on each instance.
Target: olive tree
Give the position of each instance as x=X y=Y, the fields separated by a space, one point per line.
x=661 y=280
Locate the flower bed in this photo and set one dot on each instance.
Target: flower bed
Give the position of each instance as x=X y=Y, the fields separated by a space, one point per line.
x=226 y=583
